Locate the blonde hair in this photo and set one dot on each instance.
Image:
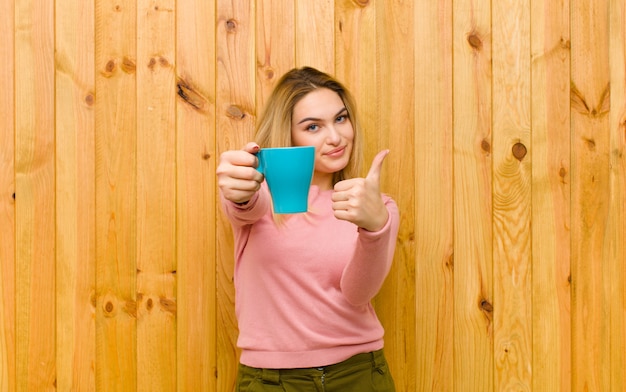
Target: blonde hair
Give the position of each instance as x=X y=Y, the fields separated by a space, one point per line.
x=274 y=125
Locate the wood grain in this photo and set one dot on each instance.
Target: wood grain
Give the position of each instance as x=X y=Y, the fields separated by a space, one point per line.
x=551 y=196
x=156 y=200
x=35 y=197
x=75 y=196
x=396 y=301
x=590 y=192
x=355 y=63
x=196 y=327
x=235 y=83
x=434 y=197
x=512 y=156
x=616 y=229
x=314 y=39
x=472 y=178
x=275 y=45
x=116 y=196
x=7 y=198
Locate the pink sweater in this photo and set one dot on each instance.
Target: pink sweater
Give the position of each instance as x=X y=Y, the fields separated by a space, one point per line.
x=304 y=285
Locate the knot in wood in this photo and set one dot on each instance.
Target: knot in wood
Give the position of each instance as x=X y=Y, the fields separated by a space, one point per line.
x=109 y=69
x=486 y=146
x=163 y=62
x=89 y=99
x=590 y=143
x=474 y=41
x=128 y=65
x=235 y=112
x=231 y=25
x=190 y=95
x=450 y=261
x=519 y=151
x=168 y=305
x=486 y=306
x=108 y=308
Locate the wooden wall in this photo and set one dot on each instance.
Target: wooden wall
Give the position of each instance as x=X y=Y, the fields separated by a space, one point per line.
x=506 y=122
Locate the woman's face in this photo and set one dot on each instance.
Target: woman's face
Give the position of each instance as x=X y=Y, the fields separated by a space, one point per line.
x=320 y=119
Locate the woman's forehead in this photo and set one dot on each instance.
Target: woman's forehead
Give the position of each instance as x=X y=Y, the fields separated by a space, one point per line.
x=320 y=103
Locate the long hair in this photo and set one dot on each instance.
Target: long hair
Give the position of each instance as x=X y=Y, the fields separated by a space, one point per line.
x=274 y=125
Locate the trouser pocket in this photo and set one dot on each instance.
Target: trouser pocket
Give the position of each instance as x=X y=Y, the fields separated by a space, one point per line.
x=382 y=381
x=257 y=380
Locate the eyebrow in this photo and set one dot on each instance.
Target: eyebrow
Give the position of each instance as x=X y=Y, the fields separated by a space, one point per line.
x=319 y=119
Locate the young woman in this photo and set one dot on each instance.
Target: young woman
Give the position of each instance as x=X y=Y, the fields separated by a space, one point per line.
x=304 y=282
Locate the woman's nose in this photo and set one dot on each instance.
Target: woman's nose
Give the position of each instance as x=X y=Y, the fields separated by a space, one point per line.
x=333 y=136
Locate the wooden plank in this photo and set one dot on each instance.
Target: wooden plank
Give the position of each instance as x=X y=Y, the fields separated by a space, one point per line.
x=116 y=195
x=395 y=130
x=235 y=118
x=472 y=140
x=551 y=345
x=315 y=43
x=196 y=197
x=616 y=230
x=434 y=196
x=35 y=196
x=156 y=198
x=75 y=195
x=590 y=102
x=7 y=198
x=355 y=62
x=512 y=196
x=275 y=45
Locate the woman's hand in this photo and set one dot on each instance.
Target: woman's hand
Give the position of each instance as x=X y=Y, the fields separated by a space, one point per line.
x=358 y=200
x=237 y=176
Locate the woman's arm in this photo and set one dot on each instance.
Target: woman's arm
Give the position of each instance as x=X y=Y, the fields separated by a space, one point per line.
x=365 y=273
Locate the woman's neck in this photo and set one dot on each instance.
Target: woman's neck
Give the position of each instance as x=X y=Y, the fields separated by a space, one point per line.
x=323 y=181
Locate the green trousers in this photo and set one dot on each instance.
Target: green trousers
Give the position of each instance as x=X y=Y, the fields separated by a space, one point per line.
x=366 y=372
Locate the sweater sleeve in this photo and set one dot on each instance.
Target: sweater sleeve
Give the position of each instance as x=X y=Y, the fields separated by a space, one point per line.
x=253 y=210
x=364 y=275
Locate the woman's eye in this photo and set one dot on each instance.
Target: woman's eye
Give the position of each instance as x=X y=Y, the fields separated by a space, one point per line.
x=341 y=119
x=313 y=128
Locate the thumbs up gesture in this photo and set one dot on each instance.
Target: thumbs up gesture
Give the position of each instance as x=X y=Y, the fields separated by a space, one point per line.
x=358 y=200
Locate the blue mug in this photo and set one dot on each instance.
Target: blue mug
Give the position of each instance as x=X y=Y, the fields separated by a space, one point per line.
x=288 y=172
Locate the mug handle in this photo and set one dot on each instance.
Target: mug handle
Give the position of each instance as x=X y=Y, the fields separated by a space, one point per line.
x=259 y=168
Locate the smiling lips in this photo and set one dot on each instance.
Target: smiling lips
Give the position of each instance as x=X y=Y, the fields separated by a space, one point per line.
x=336 y=153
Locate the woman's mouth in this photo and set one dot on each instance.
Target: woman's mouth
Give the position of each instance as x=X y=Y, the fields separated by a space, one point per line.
x=336 y=153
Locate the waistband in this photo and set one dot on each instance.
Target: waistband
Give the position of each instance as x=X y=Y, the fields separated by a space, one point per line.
x=376 y=358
